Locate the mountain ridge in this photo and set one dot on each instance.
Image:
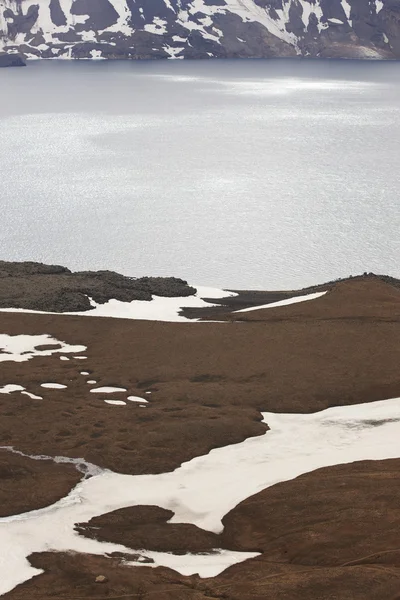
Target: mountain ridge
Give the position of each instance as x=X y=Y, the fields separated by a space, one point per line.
x=154 y=29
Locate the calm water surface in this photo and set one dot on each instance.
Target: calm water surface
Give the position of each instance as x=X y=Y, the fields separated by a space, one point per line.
x=247 y=174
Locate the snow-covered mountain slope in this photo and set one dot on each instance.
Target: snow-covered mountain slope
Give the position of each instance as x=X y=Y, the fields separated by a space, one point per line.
x=200 y=28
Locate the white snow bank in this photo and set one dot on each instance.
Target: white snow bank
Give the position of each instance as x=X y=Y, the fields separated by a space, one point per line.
x=206 y=488
x=283 y=302
x=20 y=348
x=157 y=309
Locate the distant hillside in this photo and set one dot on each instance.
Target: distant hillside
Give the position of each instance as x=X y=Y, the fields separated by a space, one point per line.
x=200 y=28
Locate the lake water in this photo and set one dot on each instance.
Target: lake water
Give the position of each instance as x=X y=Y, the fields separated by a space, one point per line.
x=245 y=174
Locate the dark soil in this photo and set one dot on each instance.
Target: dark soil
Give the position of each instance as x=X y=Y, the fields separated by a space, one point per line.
x=27 y=484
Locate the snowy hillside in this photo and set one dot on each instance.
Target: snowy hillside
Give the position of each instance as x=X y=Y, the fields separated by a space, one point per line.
x=200 y=28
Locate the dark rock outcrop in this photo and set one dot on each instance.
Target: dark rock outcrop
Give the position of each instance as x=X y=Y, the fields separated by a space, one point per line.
x=11 y=60
x=53 y=288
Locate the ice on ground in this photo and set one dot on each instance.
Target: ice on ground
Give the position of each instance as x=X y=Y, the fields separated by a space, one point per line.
x=206 y=488
x=283 y=302
x=53 y=386
x=20 y=348
x=116 y=402
x=107 y=390
x=137 y=399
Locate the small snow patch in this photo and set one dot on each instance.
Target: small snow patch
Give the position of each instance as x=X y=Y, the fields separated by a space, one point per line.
x=116 y=402
x=53 y=386
x=10 y=387
x=33 y=396
x=91 y=381
x=107 y=390
x=137 y=399
x=85 y=373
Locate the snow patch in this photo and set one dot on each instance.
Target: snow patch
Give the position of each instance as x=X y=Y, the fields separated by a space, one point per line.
x=286 y=302
x=20 y=348
x=116 y=402
x=53 y=386
x=107 y=390
x=10 y=388
x=137 y=399
x=158 y=26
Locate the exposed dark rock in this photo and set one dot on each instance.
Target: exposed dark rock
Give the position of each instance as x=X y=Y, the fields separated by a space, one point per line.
x=53 y=288
x=11 y=60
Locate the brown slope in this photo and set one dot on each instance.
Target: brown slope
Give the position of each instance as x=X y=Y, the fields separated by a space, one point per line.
x=368 y=298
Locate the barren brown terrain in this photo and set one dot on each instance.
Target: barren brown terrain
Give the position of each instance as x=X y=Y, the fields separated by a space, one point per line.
x=330 y=534
x=28 y=484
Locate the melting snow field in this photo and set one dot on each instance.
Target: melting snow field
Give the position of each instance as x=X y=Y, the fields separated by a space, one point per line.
x=204 y=489
x=158 y=309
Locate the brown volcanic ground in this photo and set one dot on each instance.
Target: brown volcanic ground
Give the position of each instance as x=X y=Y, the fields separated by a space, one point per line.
x=209 y=382
x=28 y=484
x=330 y=534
